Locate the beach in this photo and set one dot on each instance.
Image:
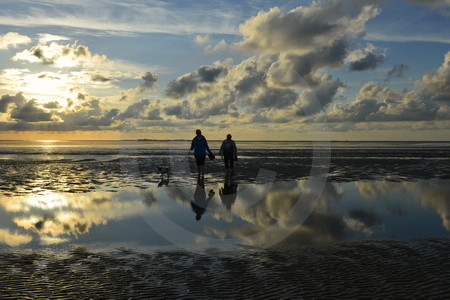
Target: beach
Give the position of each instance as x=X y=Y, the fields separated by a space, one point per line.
x=300 y=220
x=390 y=269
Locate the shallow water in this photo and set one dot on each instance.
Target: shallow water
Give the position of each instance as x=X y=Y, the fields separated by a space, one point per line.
x=299 y=212
x=102 y=214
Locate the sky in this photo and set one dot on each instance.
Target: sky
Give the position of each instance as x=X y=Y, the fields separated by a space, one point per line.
x=260 y=70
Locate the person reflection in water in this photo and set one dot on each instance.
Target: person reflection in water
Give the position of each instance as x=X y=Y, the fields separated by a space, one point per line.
x=228 y=193
x=200 y=200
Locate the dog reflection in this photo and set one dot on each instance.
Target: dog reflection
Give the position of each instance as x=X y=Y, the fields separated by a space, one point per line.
x=165 y=176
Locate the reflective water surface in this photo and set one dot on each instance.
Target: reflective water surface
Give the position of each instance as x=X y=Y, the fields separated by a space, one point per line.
x=218 y=212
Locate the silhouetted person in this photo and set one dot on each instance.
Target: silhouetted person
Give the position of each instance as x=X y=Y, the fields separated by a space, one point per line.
x=200 y=201
x=228 y=151
x=228 y=193
x=200 y=146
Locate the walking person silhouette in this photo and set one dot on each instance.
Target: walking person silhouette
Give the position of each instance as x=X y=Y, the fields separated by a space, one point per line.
x=200 y=146
x=228 y=151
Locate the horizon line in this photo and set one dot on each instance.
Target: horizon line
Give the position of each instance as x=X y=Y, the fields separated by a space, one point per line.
x=216 y=140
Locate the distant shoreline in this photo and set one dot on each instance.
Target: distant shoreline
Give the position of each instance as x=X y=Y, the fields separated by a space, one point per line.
x=249 y=141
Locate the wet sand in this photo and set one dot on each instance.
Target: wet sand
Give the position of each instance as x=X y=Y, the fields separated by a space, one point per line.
x=79 y=176
x=386 y=269
x=390 y=269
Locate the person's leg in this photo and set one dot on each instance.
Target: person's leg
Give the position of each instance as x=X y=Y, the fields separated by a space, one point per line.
x=201 y=164
x=231 y=163
x=197 y=163
x=225 y=160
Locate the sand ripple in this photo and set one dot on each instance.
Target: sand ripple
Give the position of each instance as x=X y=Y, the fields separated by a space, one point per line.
x=392 y=269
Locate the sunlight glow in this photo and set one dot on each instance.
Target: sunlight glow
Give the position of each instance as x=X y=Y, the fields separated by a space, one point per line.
x=48 y=87
x=47 y=201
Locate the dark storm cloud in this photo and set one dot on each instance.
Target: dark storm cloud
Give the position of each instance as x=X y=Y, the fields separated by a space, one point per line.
x=149 y=80
x=181 y=86
x=29 y=112
x=101 y=78
x=304 y=69
x=52 y=105
x=369 y=62
x=135 y=110
x=154 y=114
x=188 y=83
x=209 y=73
x=39 y=53
x=274 y=98
x=315 y=100
x=181 y=110
x=6 y=100
x=248 y=84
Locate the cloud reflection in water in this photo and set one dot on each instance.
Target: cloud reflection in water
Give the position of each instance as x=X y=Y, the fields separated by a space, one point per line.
x=355 y=210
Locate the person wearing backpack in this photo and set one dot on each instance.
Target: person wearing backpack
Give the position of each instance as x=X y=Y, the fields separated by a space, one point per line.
x=228 y=151
x=200 y=146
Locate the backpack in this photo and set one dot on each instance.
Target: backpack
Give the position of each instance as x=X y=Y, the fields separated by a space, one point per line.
x=228 y=146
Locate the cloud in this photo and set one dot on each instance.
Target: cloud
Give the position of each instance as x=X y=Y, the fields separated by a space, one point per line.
x=397 y=71
x=435 y=195
x=375 y=102
x=149 y=81
x=259 y=86
x=6 y=100
x=189 y=83
x=291 y=70
x=89 y=114
x=62 y=56
x=30 y=112
x=100 y=78
x=14 y=239
x=429 y=101
x=304 y=29
x=287 y=77
x=45 y=38
x=182 y=110
x=52 y=105
x=135 y=110
x=201 y=39
x=368 y=218
x=316 y=99
x=13 y=39
x=365 y=59
x=75 y=214
x=438 y=82
x=115 y=17
x=222 y=45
